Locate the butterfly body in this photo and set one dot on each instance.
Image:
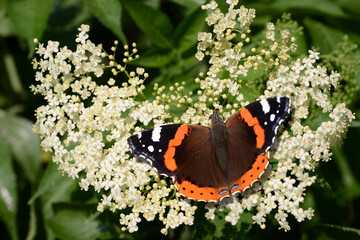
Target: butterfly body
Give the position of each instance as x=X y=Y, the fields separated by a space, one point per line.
x=208 y=164
x=218 y=140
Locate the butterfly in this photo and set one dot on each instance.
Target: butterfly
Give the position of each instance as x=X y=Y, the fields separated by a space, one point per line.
x=210 y=163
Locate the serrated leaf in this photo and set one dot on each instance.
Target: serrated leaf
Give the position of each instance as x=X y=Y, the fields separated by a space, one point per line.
x=154 y=23
x=108 y=12
x=186 y=33
x=29 y=18
x=322 y=36
x=8 y=192
x=322 y=6
x=17 y=133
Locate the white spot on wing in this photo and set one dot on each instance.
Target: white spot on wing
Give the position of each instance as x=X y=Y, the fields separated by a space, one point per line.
x=156 y=134
x=150 y=148
x=265 y=106
x=160 y=150
x=139 y=135
x=272 y=117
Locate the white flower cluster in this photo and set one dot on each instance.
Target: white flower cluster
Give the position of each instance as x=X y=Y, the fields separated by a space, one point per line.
x=298 y=152
x=224 y=56
x=87 y=124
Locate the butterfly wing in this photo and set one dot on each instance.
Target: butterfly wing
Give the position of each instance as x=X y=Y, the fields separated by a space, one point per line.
x=264 y=117
x=152 y=144
x=183 y=152
x=251 y=132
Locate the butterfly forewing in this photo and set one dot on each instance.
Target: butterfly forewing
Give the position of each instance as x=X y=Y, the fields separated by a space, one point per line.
x=152 y=144
x=264 y=117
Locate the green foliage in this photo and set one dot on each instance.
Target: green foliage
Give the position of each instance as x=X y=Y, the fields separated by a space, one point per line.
x=37 y=202
x=220 y=229
x=13 y=129
x=9 y=196
x=29 y=24
x=75 y=221
x=328 y=231
x=108 y=13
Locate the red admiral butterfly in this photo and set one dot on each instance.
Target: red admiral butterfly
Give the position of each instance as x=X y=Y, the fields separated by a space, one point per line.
x=206 y=164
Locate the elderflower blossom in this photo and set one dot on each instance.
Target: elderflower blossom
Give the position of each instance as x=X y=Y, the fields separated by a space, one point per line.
x=302 y=80
x=86 y=124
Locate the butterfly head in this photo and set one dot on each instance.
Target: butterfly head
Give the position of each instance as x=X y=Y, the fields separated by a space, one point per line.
x=216 y=119
x=218 y=129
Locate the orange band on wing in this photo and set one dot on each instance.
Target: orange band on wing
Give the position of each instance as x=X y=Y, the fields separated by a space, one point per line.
x=253 y=122
x=180 y=135
x=190 y=190
x=254 y=173
x=197 y=193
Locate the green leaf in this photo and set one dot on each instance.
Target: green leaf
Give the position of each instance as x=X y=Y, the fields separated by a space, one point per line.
x=108 y=12
x=322 y=36
x=351 y=187
x=54 y=187
x=355 y=124
x=350 y=6
x=30 y=18
x=6 y=27
x=225 y=230
x=17 y=133
x=320 y=6
x=8 y=192
x=154 y=23
x=76 y=221
x=155 y=58
x=221 y=229
x=328 y=231
x=33 y=227
x=52 y=181
x=186 y=33
x=190 y=4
